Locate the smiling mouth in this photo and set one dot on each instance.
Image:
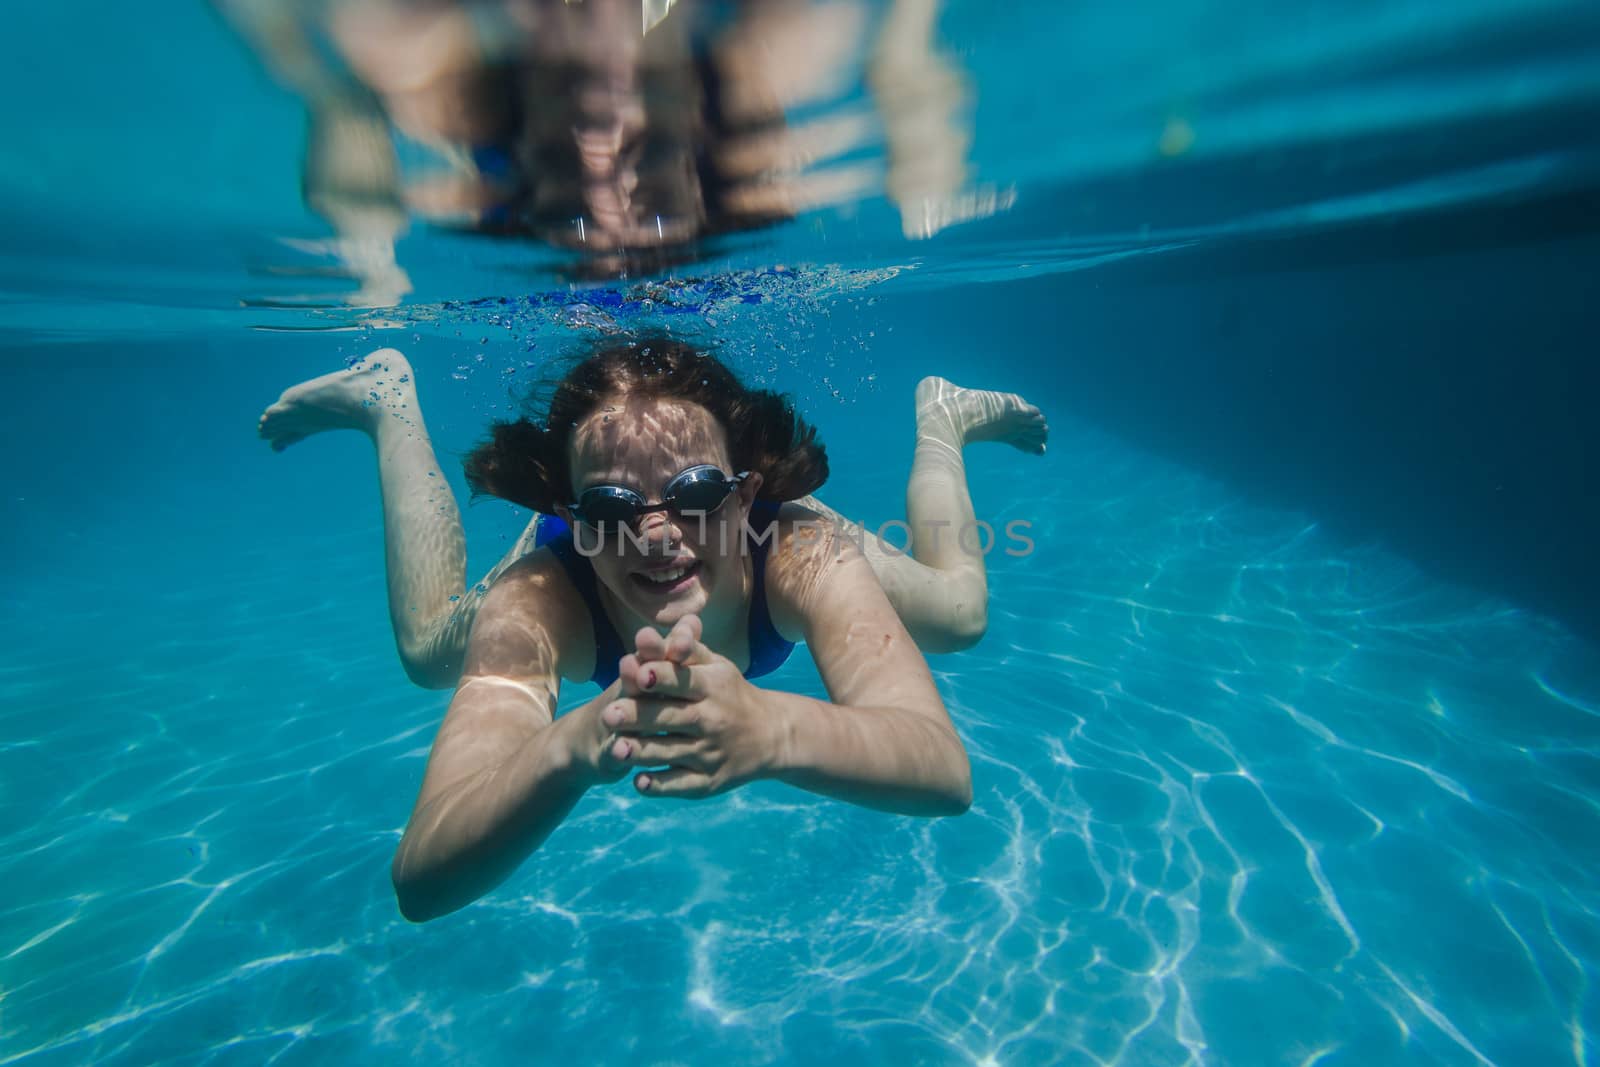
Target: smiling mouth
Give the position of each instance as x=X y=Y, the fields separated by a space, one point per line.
x=668 y=580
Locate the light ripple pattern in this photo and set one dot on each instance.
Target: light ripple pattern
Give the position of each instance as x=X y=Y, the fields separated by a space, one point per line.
x=1243 y=795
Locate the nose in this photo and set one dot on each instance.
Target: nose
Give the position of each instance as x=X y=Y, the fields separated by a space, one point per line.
x=659 y=532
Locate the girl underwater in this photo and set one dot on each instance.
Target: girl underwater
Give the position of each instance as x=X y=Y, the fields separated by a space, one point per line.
x=676 y=554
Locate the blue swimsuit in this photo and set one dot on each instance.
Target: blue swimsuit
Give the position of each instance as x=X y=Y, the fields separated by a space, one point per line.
x=768 y=649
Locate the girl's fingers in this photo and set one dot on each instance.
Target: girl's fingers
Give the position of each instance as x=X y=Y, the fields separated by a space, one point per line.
x=678 y=646
x=613 y=762
x=621 y=714
x=651 y=715
x=628 y=674
x=663 y=679
x=649 y=645
x=673 y=782
x=664 y=751
x=682 y=640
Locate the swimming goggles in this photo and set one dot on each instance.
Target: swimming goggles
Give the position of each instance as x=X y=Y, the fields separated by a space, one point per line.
x=699 y=490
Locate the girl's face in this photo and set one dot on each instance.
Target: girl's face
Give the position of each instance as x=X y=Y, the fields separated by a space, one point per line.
x=674 y=564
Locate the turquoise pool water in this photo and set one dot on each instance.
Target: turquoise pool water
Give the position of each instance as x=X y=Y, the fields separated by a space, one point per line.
x=1284 y=737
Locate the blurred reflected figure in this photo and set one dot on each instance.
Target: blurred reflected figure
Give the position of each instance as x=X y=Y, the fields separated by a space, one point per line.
x=922 y=98
x=349 y=176
x=628 y=129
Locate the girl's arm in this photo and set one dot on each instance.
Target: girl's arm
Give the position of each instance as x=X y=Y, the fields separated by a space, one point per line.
x=504 y=771
x=882 y=740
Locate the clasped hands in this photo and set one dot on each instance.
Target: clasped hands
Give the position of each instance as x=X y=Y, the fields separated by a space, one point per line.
x=688 y=710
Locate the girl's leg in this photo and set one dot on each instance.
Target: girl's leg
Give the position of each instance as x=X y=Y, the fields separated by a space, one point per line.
x=430 y=607
x=940 y=589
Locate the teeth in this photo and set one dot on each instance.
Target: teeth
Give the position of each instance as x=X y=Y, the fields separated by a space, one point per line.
x=663 y=577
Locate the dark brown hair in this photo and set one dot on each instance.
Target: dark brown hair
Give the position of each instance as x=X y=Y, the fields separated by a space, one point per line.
x=526 y=461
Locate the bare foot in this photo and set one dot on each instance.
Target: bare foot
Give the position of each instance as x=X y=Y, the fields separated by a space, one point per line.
x=969 y=415
x=378 y=387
